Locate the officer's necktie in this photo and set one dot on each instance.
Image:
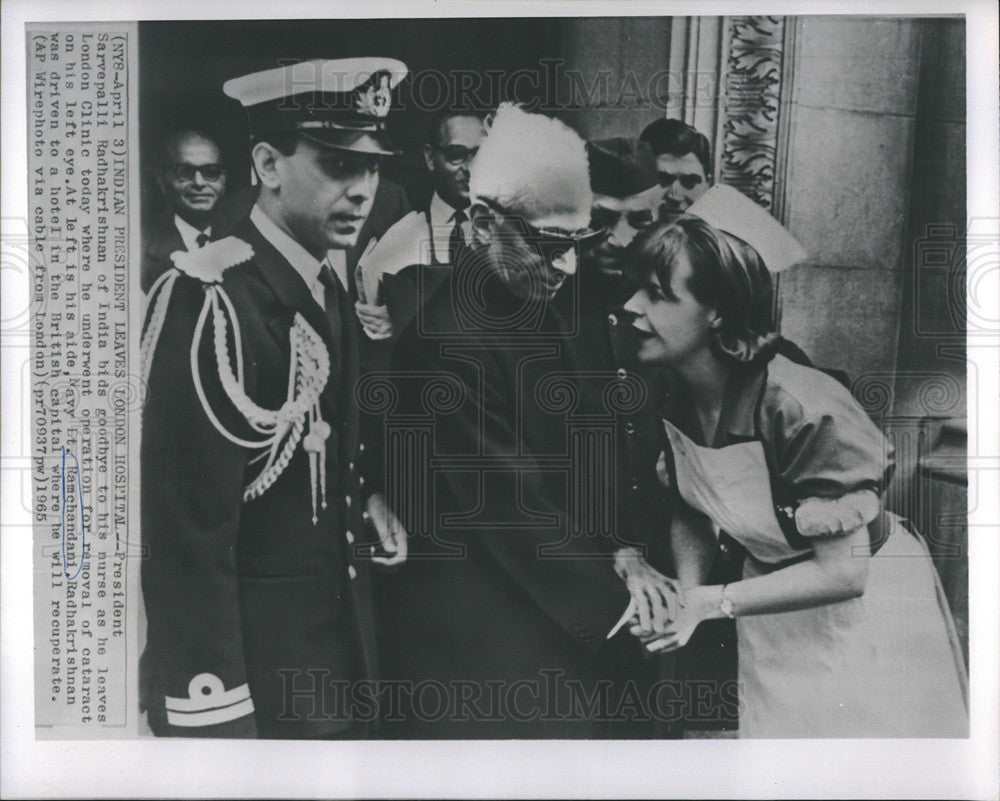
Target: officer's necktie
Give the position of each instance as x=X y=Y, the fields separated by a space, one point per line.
x=456 y=241
x=334 y=299
x=332 y=291
x=201 y=240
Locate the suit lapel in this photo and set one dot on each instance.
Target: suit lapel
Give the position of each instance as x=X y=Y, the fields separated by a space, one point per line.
x=165 y=240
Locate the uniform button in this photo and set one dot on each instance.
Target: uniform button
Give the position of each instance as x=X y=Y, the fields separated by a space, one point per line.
x=612 y=319
x=635 y=483
x=352 y=572
x=350 y=537
x=622 y=372
x=347 y=501
x=723 y=547
x=365 y=516
x=361 y=447
x=629 y=428
x=350 y=466
x=361 y=481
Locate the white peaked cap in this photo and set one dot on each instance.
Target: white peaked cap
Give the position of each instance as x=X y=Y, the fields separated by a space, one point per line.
x=734 y=213
x=535 y=166
x=318 y=75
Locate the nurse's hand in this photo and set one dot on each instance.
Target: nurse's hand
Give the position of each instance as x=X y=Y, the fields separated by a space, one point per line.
x=657 y=597
x=700 y=603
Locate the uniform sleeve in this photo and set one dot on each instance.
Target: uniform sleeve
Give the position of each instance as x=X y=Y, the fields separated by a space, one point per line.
x=192 y=484
x=580 y=593
x=829 y=455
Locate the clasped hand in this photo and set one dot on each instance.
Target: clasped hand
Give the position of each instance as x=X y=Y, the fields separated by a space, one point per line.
x=657 y=598
x=664 y=620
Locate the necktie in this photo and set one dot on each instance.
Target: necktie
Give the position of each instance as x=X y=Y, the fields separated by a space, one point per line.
x=332 y=290
x=336 y=314
x=456 y=241
x=201 y=240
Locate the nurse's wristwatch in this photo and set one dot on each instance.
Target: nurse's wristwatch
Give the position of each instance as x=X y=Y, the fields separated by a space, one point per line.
x=726 y=604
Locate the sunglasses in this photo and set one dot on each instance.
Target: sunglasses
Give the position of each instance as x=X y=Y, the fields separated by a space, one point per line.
x=687 y=180
x=186 y=173
x=608 y=219
x=550 y=243
x=456 y=155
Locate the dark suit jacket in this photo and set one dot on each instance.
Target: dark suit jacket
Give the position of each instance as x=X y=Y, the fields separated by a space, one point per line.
x=250 y=592
x=159 y=240
x=497 y=588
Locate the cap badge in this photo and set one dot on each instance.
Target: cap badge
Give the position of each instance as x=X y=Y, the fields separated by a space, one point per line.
x=374 y=99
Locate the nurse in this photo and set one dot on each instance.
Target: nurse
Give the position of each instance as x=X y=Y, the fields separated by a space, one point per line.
x=843 y=630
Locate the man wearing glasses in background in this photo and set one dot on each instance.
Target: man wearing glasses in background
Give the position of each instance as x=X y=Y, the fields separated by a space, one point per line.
x=193 y=181
x=429 y=237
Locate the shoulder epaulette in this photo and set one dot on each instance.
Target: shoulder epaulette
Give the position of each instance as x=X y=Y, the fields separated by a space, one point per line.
x=208 y=263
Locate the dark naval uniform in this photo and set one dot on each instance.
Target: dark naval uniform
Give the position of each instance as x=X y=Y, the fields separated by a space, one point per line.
x=244 y=596
x=255 y=576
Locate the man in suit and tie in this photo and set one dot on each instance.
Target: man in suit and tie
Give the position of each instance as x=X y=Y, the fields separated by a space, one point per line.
x=192 y=179
x=254 y=503
x=429 y=237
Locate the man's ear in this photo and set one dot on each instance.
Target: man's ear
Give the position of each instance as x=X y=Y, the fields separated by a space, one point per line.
x=265 y=161
x=428 y=157
x=483 y=222
x=714 y=320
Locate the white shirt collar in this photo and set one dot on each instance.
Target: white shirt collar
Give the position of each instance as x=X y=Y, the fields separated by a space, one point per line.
x=189 y=234
x=301 y=259
x=442 y=221
x=441 y=212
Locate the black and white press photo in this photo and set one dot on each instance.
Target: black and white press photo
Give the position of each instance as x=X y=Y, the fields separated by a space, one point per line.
x=597 y=380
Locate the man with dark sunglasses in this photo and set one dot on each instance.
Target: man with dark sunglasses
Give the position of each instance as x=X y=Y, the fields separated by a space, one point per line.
x=192 y=178
x=508 y=601
x=683 y=163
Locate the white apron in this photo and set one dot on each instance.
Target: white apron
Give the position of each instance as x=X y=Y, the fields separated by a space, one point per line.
x=883 y=665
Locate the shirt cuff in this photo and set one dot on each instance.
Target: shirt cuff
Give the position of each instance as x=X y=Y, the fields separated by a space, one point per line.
x=629 y=614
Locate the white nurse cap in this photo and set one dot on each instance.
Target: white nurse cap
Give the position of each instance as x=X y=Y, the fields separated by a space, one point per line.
x=734 y=213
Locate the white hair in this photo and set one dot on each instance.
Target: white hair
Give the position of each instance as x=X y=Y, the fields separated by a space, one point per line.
x=533 y=165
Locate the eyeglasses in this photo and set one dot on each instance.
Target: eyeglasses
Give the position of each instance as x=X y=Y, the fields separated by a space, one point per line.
x=185 y=173
x=456 y=155
x=687 y=180
x=550 y=243
x=608 y=219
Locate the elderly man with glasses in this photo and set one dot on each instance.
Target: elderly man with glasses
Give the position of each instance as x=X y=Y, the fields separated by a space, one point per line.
x=508 y=604
x=192 y=179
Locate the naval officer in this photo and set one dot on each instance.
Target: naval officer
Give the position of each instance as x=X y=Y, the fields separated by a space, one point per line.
x=254 y=506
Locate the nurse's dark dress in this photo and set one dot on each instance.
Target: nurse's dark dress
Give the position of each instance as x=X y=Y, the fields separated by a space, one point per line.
x=794 y=458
